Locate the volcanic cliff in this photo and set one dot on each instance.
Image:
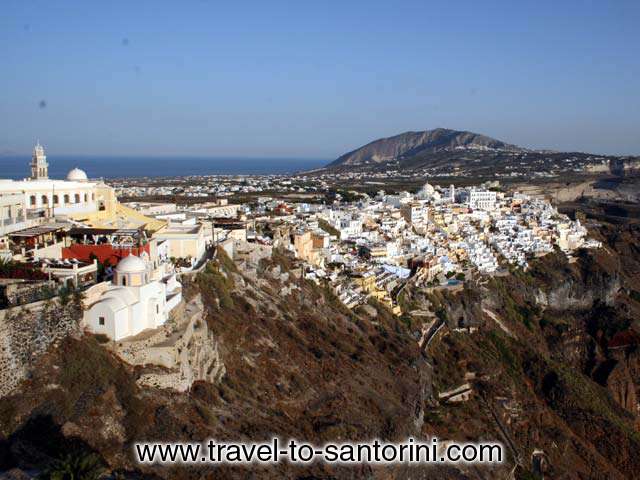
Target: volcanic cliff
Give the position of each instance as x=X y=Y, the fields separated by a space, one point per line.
x=547 y=358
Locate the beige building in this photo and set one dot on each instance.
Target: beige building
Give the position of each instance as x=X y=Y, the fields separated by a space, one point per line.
x=308 y=245
x=14 y=215
x=153 y=208
x=303 y=244
x=184 y=240
x=414 y=213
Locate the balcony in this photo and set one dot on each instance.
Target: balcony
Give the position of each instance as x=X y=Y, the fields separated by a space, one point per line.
x=14 y=224
x=28 y=242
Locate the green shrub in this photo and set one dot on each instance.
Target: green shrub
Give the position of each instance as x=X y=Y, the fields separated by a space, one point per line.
x=75 y=466
x=214 y=285
x=324 y=225
x=224 y=260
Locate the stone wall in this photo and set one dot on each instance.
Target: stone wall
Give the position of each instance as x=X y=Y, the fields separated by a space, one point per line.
x=15 y=292
x=177 y=354
x=26 y=332
x=174 y=356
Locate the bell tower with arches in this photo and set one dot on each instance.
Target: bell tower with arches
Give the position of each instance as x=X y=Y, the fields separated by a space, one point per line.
x=39 y=165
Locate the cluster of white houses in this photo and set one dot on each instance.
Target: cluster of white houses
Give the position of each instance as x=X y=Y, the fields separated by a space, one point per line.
x=69 y=229
x=443 y=235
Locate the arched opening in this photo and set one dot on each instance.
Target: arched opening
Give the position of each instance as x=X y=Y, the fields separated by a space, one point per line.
x=77 y=198
x=45 y=200
x=32 y=201
x=86 y=197
x=66 y=198
x=124 y=281
x=56 y=200
x=93 y=197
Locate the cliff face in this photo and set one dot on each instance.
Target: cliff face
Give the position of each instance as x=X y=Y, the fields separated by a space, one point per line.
x=623 y=381
x=555 y=358
x=184 y=350
x=547 y=361
x=621 y=193
x=297 y=364
x=27 y=333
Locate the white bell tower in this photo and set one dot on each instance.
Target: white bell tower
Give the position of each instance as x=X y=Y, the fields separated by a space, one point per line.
x=39 y=165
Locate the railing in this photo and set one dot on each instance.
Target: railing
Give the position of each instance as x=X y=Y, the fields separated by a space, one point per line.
x=210 y=254
x=34 y=214
x=13 y=224
x=31 y=249
x=5 y=222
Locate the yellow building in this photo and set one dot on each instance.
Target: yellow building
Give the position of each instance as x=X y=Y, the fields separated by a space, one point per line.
x=308 y=245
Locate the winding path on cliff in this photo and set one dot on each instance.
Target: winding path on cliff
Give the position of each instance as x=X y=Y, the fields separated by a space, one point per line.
x=495 y=318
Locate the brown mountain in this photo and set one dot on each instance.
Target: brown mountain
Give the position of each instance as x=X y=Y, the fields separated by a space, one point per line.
x=412 y=144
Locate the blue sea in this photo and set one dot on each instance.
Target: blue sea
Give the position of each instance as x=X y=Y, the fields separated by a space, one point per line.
x=17 y=167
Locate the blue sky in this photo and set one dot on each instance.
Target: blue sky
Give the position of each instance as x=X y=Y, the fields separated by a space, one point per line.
x=315 y=79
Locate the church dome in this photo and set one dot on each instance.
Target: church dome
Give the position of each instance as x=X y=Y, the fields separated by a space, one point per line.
x=77 y=175
x=131 y=264
x=428 y=189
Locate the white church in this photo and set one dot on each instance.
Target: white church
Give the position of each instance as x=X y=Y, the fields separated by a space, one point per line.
x=76 y=194
x=134 y=301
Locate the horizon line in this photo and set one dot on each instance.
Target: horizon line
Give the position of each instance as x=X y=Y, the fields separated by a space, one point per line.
x=169 y=156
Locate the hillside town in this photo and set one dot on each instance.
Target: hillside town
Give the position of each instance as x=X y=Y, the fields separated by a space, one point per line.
x=126 y=258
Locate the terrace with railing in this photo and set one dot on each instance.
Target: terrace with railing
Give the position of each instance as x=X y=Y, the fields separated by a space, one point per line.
x=20 y=221
x=29 y=241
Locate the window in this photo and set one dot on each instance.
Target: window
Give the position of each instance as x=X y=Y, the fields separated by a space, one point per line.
x=66 y=198
x=100 y=320
x=124 y=281
x=32 y=200
x=45 y=200
x=56 y=200
x=77 y=198
x=86 y=197
x=157 y=308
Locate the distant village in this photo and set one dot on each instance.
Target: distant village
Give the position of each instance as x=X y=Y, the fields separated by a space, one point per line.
x=127 y=258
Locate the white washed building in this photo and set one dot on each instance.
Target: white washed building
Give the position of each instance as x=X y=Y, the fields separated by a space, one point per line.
x=482 y=199
x=133 y=302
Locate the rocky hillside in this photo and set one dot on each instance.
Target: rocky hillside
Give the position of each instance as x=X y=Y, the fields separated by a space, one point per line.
x=547 y=361
x=297 y=364
x=458 y=154
x=554 y=361
x=410 y=144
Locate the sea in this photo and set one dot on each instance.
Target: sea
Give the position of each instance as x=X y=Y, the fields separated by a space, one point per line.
x=17 y=166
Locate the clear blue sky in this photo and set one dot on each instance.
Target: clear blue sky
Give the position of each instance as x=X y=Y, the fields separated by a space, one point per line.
x=315 y=79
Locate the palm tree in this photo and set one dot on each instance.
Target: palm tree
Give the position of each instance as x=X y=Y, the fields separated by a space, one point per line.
x=75 y=466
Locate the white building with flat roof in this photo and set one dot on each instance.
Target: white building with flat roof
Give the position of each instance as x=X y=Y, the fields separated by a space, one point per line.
x=482 y=199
